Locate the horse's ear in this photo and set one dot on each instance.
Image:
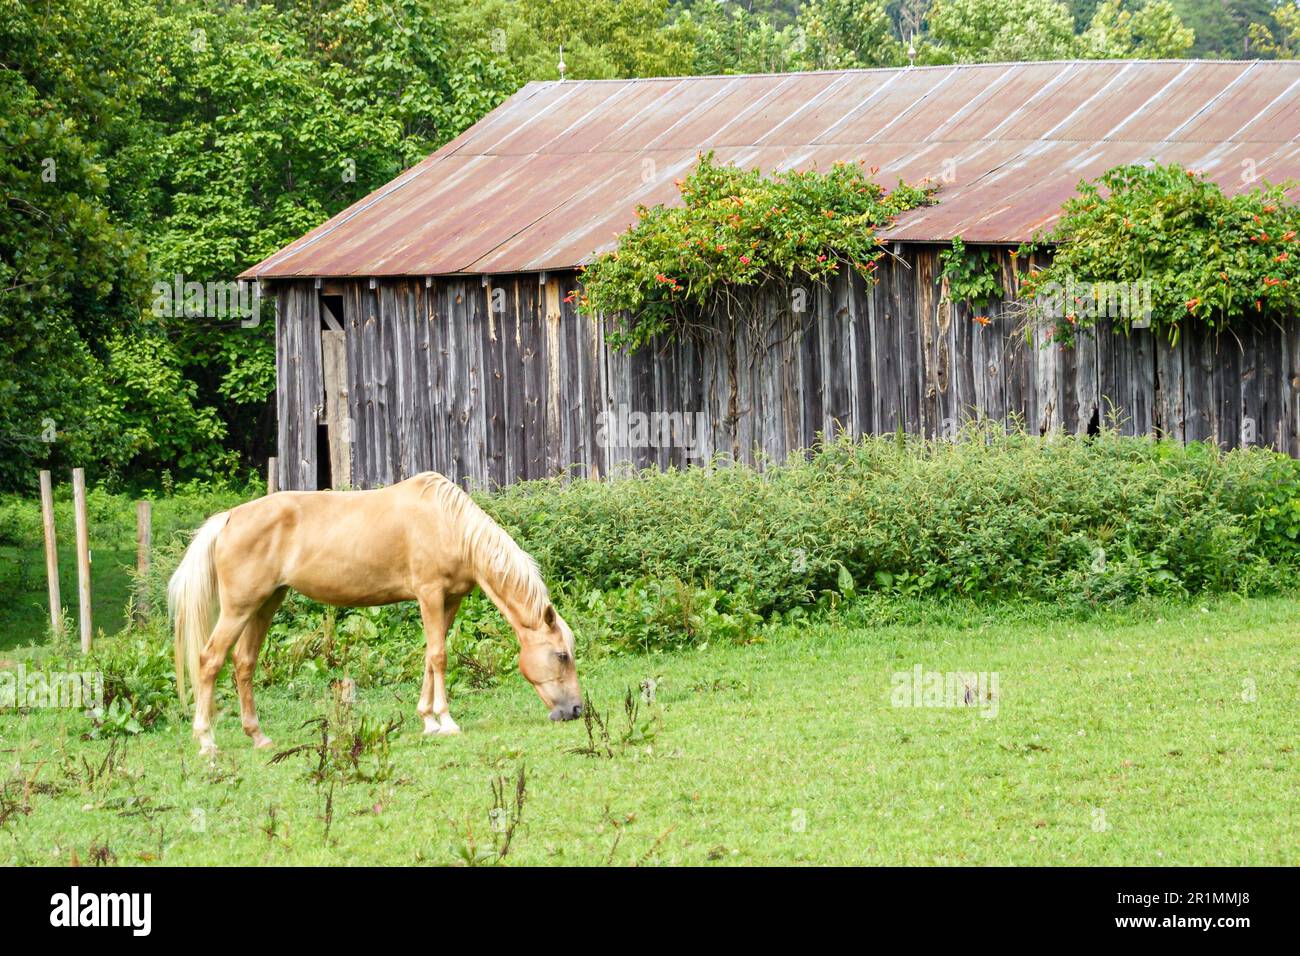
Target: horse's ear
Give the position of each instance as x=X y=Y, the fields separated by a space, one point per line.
x=548 y=616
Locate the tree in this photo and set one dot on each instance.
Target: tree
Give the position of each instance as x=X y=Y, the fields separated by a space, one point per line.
x=1222 y=27
x=975 y=31
x=1153 y=31
x=602 y=39
x=847 y=33
x=908 y=18
x=69 y=274
x=1282 y=41
x=148 y=138
x=727 y=38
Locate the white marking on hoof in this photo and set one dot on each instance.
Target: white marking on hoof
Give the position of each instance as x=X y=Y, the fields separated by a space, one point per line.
x=444 y=728
x=207 y=747
x=261 y=741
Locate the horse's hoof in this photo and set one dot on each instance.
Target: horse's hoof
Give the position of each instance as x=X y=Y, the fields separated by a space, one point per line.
x=434 y=729
x=208 y=749
x=262 y=742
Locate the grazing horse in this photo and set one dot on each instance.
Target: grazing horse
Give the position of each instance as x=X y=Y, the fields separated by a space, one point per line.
x=423 y=539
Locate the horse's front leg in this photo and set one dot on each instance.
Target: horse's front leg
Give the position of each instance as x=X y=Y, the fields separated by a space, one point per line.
x=438 y=610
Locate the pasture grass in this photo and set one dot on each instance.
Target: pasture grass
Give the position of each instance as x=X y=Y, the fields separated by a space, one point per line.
x=1163 y=734
x=24 y=594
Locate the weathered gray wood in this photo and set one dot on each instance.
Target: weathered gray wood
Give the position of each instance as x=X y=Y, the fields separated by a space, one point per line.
x=493 y=381
x=1198 y=381
x=1169 y=390
x=334 y=372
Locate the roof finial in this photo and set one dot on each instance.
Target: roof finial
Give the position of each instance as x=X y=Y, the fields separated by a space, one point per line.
x=561 y=64
x=911 y=49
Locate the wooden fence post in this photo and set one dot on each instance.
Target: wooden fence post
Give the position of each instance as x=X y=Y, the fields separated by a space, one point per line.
x=143 y=552
x=83 y=555
x=51 y=555
x=272 y=476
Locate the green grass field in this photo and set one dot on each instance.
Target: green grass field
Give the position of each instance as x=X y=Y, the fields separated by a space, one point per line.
x=1162 y=736
x=25 y=609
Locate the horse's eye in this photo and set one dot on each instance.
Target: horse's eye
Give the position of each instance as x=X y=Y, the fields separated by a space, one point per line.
x=563 y=656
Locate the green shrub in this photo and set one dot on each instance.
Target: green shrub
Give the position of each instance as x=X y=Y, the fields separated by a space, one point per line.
x=992 y=516
x=1210 y=258
x=735 y=229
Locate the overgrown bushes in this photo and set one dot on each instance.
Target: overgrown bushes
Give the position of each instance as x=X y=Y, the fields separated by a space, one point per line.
x=737 y=228
x=991 y=516
x=1206 y=256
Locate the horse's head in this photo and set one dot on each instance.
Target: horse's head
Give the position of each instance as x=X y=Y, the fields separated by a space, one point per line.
x=546 y=660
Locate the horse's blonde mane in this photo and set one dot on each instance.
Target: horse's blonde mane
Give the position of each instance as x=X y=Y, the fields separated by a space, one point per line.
x=487 y=547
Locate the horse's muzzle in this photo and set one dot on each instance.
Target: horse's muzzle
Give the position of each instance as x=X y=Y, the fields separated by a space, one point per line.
x=566 y=712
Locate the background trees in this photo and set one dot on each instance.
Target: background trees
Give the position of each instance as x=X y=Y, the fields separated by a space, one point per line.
x=144 y=139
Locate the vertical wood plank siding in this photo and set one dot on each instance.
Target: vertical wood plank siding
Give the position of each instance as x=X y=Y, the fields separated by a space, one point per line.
x=300 y=389
x=494 y=381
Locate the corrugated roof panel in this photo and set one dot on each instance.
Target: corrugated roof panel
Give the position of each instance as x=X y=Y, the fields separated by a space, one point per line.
x=1225 y=117
x=1168 y=107
x=879 y=114
x=738 y=115
x=632 y=102
x=1112 y=111
x=564 y=116
x=943 y=114
x=570 y=232
x=513 y=207
x=552 y=175
x=1079 y=88
x=684 y=99
x=1276 y=122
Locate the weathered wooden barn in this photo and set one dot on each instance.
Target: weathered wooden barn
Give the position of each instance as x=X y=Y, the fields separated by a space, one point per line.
x=427 y=325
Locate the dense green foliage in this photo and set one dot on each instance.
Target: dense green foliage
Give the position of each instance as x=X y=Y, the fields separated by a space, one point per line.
x=972 y=275
x=146 y=140
x=992 y=516
x=737 y=228
x=1209 y=257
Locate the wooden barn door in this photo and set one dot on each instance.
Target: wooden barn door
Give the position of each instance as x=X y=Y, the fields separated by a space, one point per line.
x=334 y=412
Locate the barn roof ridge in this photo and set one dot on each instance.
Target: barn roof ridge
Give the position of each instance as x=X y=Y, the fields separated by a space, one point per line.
x=545 y=180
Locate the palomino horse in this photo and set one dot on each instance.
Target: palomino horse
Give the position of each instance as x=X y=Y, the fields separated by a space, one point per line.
x=423 y=539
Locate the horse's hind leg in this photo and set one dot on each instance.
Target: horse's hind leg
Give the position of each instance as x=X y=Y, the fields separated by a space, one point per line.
x=246 y=651
x=230 y=625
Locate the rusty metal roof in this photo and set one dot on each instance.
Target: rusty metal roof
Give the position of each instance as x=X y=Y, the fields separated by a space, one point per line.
x=550 y=177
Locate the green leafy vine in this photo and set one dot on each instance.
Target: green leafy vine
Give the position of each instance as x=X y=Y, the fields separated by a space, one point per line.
x=737 y=228
x=973 y=274
x=1164 y=246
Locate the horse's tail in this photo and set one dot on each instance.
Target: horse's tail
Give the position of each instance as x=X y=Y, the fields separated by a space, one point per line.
x=191 y=599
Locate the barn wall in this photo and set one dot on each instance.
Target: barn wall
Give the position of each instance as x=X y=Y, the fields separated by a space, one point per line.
x=494 y=381
x=299 y=395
